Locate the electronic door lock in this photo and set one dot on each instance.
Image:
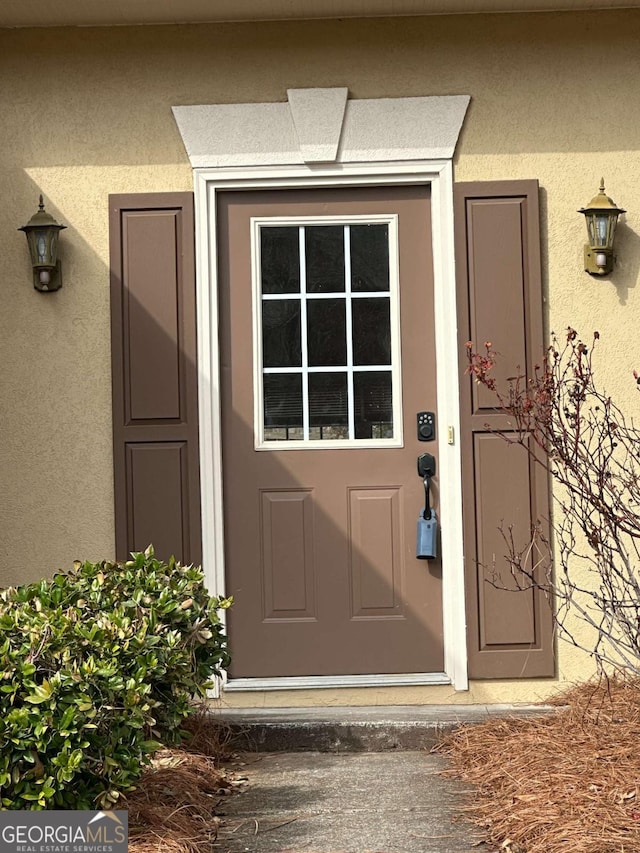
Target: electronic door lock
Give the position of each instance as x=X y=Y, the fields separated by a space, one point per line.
x=426 y=426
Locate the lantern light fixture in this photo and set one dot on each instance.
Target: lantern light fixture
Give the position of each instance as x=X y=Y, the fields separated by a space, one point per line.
x=42 y=236
x=601 y=216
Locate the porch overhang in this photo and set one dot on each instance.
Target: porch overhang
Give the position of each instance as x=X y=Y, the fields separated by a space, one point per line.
x=86 y=13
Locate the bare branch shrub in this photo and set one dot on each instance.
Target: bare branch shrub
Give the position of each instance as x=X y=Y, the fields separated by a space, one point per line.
x=572 y=428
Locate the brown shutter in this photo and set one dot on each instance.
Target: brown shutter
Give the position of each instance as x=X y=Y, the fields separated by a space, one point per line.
x=155 y=409
x=510 y=633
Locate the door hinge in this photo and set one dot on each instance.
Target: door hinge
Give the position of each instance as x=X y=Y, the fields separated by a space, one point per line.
x=451 y=435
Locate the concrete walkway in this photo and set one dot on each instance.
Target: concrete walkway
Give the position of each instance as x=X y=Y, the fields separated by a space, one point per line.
x=365 y=802
x=349 y=780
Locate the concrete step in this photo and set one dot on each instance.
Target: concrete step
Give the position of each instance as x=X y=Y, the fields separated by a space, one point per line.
x=356 y=729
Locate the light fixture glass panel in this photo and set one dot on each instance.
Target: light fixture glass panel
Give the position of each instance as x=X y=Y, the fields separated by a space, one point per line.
x=281 y=333
x=41 y=246
x=324 y=256
x=326 y=332
x=280 y=259
x=328 y=406
x=601 y=229
x=369 y=258
x=282 y=406
x=373 y=404
x=371 y=331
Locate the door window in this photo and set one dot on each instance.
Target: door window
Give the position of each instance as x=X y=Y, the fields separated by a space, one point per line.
x=326 y=354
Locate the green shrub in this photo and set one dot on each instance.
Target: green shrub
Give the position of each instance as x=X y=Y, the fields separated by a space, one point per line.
x=96 y=665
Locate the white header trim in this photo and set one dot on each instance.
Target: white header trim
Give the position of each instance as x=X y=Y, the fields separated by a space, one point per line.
x=318 y=115
x=321 y=125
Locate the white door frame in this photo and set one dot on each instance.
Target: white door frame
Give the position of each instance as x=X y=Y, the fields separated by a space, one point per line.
x=208 y=182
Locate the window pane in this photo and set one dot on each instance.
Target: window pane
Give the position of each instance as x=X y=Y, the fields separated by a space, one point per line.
x=326 y=332
x=371 y=331
x=324 y=258
x=281 y=333
x=369 y=258
x=275 y=434
x=280 y=259
x=282 y=405
x=328 y=409
x=373 y=404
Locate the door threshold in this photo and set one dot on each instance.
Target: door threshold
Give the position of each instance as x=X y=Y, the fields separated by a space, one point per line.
x=311 y=682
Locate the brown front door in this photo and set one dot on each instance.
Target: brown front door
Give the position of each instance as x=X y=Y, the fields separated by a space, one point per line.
x=327 y=355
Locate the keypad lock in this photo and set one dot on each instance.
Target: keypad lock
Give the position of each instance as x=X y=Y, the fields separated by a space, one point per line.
x=426 y=426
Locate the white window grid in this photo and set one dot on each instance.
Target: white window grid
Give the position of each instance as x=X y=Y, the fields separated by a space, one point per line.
x=261 y=443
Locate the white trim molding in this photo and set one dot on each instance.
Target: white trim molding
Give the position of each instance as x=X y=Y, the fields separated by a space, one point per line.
x=278 y=162
x=321 y=126
x=312 y=682
x=303 y=298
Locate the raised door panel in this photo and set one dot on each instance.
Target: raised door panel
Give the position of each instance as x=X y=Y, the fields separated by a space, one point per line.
x=502 y=506
x=287 y=558
x=151 y=302
x=375 y=553
x=157 y=481
x=497 y=278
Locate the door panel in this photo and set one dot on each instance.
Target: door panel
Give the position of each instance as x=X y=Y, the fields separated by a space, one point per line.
x=320 y=534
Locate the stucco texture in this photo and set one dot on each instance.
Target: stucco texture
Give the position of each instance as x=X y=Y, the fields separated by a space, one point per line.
x=87 y=112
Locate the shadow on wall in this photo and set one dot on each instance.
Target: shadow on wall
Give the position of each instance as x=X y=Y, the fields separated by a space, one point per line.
x=56 y=477
x=627 y=266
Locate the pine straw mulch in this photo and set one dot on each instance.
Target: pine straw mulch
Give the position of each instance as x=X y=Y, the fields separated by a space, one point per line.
x=567 y=782
x=174 y=807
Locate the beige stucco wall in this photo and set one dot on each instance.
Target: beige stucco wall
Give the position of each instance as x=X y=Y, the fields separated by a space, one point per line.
x=86 y=112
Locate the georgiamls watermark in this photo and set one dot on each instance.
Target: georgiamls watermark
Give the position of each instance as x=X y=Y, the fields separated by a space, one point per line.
x=64 y=832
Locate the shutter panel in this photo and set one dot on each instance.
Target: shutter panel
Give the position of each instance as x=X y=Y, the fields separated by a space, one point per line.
x=510 y=633
x=155 y=408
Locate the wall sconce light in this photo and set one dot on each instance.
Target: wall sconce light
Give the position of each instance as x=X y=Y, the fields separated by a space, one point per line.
x=601 y=215
x=42 y=236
